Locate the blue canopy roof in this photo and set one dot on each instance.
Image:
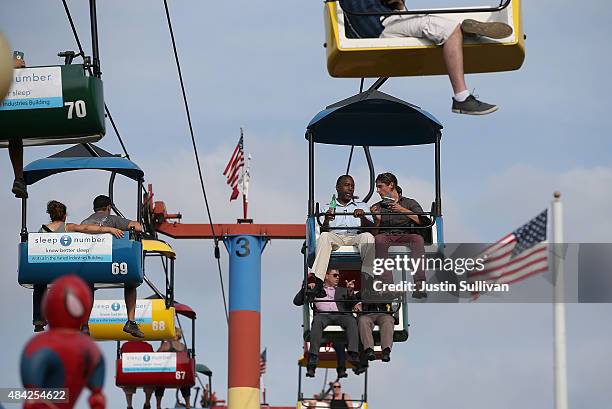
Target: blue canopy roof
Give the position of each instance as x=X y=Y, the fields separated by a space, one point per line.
x=374 y=118
x=76 y=158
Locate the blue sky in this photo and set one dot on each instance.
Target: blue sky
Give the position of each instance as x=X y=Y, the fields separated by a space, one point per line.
x=260 y=66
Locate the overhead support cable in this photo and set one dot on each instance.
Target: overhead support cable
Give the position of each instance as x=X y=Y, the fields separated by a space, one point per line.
x=348 y=166
x=82 y=54
x=197 y=157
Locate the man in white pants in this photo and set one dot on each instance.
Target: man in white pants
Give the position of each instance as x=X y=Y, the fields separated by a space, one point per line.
x=449 y=35
x=350 y=215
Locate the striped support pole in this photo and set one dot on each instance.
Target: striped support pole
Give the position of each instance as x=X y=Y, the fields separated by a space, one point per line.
x=244 y=319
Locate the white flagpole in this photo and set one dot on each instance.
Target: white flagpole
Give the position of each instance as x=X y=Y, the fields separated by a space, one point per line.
x=558 y=305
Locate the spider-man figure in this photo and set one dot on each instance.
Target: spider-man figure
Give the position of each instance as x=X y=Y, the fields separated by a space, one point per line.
x=63 y=357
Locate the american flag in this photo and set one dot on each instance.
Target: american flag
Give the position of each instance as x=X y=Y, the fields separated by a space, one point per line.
x=519 y=255
x=232 y=170
x=262 y=362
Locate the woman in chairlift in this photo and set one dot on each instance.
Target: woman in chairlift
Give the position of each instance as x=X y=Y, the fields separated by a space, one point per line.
x=57 y=213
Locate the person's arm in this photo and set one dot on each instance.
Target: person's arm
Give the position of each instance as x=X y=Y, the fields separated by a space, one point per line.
x=329 y=216
x=348 y=400
x=366 y=221
x=135 y=225
x=414 y=207
x=164 y=347
x=298 y=300
x=179 y=346
x=93 y=229
x=375 y=208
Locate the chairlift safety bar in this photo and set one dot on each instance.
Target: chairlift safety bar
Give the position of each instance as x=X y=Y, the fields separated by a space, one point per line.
x=495 y=9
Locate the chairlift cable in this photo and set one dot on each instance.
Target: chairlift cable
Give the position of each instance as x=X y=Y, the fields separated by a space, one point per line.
x=348 y=166
x=82 y=53
x=197 y=157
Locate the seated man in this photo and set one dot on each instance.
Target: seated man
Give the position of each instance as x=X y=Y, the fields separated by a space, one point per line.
x=349 y=214
x=448 y=34
x=394 y=202
x=102 y=217
x=332 y=309
x=374 y=313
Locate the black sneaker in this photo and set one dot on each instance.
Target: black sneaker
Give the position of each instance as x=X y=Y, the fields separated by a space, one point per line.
x=386 y=355
x=341 y=371
x=39 y=328
x=132 y=328
x=313 y=359
x=472 y=106
x=360 y=369
x=370 y=355
x=353 y=358
x=310 y=371
x=418 y=294
x=20 y=189
x=494 y=30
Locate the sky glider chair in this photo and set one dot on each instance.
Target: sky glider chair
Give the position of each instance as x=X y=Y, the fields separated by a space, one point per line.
x=331 y=333
x=99 y=259
x=372 y=118
x=326 y=361
x=154 y=315
x=354 y=49
x=53 y=105
x=368 y=119
x=138 y=368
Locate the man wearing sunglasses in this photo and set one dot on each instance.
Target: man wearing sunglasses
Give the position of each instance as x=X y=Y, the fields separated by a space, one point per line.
x=334 y=308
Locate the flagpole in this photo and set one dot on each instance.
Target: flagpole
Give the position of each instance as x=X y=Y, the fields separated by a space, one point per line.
x=244 y=199
x=559 y=305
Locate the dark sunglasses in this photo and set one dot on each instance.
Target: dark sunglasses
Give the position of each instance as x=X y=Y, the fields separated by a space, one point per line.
x=335 y=275
x=336 y=386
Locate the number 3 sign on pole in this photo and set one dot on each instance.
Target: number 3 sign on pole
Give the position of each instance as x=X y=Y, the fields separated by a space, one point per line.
x=244 y=319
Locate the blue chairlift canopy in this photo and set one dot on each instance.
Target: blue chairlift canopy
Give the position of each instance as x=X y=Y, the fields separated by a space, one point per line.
x=373 y=118
x=80 y=157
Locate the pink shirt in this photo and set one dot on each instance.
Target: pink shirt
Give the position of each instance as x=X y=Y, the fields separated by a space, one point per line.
x=327 y=306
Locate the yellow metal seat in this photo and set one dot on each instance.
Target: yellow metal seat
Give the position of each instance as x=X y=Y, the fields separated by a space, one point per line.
x=154 y=319
x=158 y=247
x=395 y=57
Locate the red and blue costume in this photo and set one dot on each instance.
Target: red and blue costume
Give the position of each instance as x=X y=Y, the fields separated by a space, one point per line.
x=63 y=357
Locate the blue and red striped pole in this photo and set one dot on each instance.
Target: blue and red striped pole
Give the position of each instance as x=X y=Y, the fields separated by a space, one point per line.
x=244 y=319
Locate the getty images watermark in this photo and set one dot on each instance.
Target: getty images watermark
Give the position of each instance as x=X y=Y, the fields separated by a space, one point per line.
x=478 y=271
x=460 y=266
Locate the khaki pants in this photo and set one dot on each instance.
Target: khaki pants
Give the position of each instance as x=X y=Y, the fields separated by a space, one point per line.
x=366 y=325
x=329 y=241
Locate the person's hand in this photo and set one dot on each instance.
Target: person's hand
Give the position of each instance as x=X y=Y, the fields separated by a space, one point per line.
x=359 y=213
x=116 y=232
x=350 y=285
x=311 y=285
x=376 y=209
x=18 y=63
x=357 y=307
x=395 y=207
x=330 y=214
